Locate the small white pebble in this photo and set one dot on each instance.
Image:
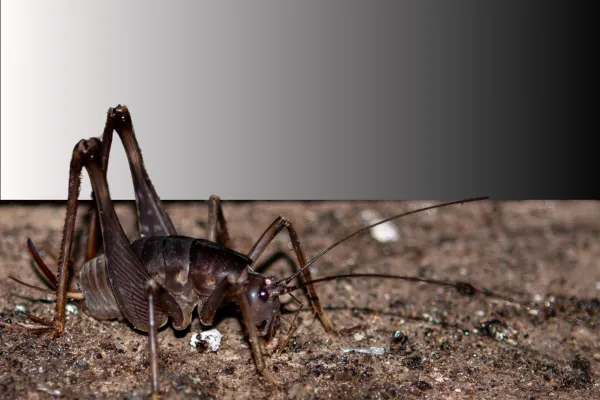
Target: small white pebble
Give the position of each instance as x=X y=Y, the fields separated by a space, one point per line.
x=358 y=336
x=43 y=388
x=212 y=337
x=386 y=232
x=457 y=390
x=370 y=350
x=71 y=308
x=22 y=308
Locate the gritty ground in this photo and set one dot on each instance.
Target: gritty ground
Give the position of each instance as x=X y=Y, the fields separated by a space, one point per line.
x=438 y=344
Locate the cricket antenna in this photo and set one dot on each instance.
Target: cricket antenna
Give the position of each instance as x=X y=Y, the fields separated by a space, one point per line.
x=463 y=288
x=287 y=280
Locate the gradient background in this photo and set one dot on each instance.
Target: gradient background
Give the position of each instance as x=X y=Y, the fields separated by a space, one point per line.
x=305 y=99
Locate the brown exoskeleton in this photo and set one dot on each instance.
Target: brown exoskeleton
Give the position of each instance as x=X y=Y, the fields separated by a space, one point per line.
x=163 y=274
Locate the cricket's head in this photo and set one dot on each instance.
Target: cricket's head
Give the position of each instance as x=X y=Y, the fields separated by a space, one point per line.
x=264 y=306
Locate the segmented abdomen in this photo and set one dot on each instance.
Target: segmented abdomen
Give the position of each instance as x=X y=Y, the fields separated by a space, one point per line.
x=93 y=282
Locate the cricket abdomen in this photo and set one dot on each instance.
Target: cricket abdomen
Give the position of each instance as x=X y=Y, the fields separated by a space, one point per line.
x=186 y=270
x=99 y=298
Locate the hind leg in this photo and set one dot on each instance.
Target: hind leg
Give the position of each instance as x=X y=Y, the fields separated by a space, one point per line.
x=56 y=326
x=153 y=219
x=152 y=216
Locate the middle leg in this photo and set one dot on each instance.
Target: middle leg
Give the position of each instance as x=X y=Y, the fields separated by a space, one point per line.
x=217 y=226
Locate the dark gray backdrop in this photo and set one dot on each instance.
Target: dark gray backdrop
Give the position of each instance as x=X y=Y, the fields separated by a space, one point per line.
x=303 y=99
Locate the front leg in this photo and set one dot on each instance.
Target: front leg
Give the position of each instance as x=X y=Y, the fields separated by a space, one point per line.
x=267 y=237
x=253 y=337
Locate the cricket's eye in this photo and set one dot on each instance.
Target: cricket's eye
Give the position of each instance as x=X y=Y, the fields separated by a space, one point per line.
x=263 y=295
